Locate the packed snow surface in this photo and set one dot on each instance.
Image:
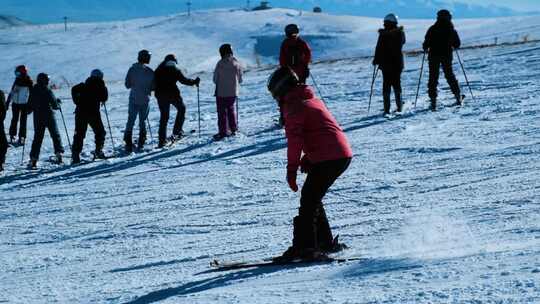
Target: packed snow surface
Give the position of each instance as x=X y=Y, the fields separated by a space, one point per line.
x=443 y=207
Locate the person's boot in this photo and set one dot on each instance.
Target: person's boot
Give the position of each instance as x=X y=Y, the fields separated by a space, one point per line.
x=459 y=99
x=58 y=159
x=386 y=101
x=98 y=154
x=218 y=137
x=1 y=167
x=129 y=143
x=303 y=246
x=433 y=104
x=75 y=159
x=399 y=103
x=12 y=140
x=33 y=164
x=162 y=143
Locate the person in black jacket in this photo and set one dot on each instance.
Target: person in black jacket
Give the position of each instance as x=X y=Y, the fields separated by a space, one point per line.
x=43 y=104
x=89 y=96
x=389 y=58
x=441 y=39
x=18 y=97
x=3 y=139
x=167 y=94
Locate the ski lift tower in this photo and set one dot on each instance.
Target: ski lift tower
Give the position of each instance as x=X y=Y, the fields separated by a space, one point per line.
x=188 y=8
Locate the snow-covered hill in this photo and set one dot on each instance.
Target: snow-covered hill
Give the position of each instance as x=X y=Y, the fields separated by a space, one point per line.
x=444 y=206
x=69 y=56
x=10 y=21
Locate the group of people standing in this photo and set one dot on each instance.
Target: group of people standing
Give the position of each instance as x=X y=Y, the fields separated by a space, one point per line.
x=316 y=144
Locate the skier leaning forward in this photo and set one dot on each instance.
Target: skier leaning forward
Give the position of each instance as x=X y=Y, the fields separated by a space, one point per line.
x=139 y=80
x=310 y=128
x=43 y=104
x=441 y=39
x=389 y=58
x=167 y=93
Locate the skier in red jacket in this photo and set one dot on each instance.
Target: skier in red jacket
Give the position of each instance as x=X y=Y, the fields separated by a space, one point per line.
x=312 y=130
x=296 y=54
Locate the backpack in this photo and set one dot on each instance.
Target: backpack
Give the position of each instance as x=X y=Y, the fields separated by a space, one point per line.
x=77 y=92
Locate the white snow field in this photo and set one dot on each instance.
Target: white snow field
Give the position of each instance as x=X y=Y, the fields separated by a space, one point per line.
x=444 y=207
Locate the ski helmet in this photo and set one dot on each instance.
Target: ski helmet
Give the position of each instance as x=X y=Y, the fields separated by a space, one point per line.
x=97 y=73
x=281 y=81
x=43 y=79
x=225 y=49
x=291 y=30
x=444 y=14
x=144 y=56
x=171 y=57
x=391 y=18
x=21 y=70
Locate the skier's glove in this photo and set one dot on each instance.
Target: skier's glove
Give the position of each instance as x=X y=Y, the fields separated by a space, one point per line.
x=197 y=81
x=291 y=179
x=305 y=165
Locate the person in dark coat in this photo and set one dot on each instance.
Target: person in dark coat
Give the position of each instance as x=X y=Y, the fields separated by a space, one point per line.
x=389 y=58
x=167 y=93
x=3 y=139
x=18 y=98
x=42 y=103
x=93 y=93
x=440 y=41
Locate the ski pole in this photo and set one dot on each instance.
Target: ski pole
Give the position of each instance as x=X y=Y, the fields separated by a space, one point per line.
x=65 y=128
x=199 y=109
x=150 y=129
x=109 y=123
x=420 y=78
x=375 y=72
x=465 y=74
x=22 y=156
x=317 y=87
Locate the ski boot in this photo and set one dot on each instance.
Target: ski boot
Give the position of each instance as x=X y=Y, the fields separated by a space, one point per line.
x=162 y=143
x=75 y=159
x=33 y=164
x=218 y=137
x=459 y=100
x=58 y=158
x=301 y=254
x=98 y=154
x=433 y=105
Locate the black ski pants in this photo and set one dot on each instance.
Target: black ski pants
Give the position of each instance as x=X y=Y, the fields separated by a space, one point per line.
x=391 y=80
x=82 y=120
x=3 y=143
x=311 y=228
x=164 y=110
x=39 y=133
x=20 y=113
x=435 y=63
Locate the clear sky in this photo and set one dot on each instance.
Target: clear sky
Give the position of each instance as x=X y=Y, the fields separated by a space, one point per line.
x=524 y=5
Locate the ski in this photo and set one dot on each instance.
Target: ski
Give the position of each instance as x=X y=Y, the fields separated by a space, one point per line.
x=225 y=266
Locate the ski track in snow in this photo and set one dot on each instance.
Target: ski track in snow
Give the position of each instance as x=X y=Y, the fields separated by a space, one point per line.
x=444 y=206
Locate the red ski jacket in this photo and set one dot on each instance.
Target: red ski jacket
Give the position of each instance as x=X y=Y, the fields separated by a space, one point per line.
x=311 y=128
x=296 y=54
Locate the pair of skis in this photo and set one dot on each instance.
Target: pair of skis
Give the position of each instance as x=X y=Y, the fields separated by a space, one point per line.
x=217 y=265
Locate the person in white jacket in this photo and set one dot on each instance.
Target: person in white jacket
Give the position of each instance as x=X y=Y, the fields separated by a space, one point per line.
x=227 y=78
x=18 y=97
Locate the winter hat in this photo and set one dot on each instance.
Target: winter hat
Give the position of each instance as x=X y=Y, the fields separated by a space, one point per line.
x=391 y=18
x=281 y=81
x=43 y=79
x=97 y=73
x=291 y=29
x=444 y=14
x=171 y=57
x=144 y=56
x=225 y=50
x=20 y=70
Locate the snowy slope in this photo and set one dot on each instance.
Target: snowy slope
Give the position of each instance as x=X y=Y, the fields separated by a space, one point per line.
x=443 y=206
x=113 y=46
